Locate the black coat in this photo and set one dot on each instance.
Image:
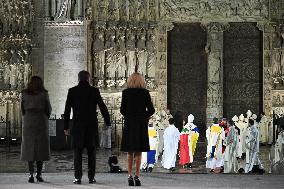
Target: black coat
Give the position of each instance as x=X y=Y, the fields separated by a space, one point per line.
x=83 y=99
x=137 y=108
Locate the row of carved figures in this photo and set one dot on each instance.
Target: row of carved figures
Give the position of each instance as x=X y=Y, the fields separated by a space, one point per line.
x=15 y=56
x=10 y=112
x=15 y=76
x=16 y=16
x=113 y=10
x=122 y=39
x=117 y=64
x=223 y=8
x=65 y=9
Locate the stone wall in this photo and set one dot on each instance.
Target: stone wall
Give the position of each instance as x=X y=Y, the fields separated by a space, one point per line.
x=64 y=57
x=147 y=21
x=17 y=18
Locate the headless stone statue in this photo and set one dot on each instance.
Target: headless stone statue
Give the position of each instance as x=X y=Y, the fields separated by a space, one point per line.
x=67 y=9
x=130 y=41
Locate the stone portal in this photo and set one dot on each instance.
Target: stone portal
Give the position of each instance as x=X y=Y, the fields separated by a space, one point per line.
x=187 y=73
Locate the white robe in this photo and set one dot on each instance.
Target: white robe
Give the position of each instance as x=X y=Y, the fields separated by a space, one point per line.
x=277 y=165
x=214 y=139
x=270 y=132
x=263 y=130
x=230 y=154
x=171 y=138
x=252 y=152
x=243 y=133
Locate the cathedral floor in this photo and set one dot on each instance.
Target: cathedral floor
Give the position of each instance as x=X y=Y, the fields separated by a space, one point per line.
x=62 y=161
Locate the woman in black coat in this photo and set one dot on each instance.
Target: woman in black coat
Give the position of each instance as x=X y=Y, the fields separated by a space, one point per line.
x=137 y=108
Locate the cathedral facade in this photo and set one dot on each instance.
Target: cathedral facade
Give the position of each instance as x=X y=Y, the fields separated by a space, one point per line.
x=209 y=58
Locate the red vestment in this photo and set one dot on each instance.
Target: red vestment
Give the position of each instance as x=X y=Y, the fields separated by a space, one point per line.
x=184 y=149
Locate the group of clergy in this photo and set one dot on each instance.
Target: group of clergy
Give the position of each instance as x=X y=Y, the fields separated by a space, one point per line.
x=166 y=141
x=232 y=146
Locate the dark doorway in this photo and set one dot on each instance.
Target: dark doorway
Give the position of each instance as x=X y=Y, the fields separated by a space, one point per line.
x=243 y=67
x=187 y=74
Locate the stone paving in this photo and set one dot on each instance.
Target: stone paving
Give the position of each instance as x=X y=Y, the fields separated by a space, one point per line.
x=151 y=180
x=62 y=161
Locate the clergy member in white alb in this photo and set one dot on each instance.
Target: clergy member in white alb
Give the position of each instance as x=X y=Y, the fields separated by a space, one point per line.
x=253 y=164
x=215 y=136
x=230 y=155
x=277 y=154
x=171 y=138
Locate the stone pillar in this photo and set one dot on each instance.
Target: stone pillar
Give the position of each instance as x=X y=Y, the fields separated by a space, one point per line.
x=47 y=9
x=161 y=70
x=214 y=49
x=53 y=8
x=64 y=57
x=80 y=9
x=267 y=77
x=273 y=83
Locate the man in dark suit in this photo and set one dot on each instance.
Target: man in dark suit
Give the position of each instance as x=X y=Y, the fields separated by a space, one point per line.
x=83 y=99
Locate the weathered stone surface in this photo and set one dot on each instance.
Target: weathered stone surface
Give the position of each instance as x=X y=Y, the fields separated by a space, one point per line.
x=64 y=58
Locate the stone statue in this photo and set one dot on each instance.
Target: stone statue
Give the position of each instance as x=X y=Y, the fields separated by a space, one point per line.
x=214 y=62
x=132 y=10
x=121 y=64
x=27 y=74
x=13 y=76
x=14 y=57
x=130 y=40
x=142 y=61
x=142 y=7
x=151 y=64
x=151 y=42
x=121 y=42
x=110 y=64
x=267 y=42
x=276 y=66
x=1 y=77
x=7 y=73
x=141 y=42
x=123 y=11
x=99 y=62
x=267 y=60
x=131 y=62
x=110 y=39
x=98 y=44
x=113 y=10
x=67 y=9
x=20 y=78
x=276 y=41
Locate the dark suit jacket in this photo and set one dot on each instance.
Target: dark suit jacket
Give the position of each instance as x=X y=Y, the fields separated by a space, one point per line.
x=83 y=99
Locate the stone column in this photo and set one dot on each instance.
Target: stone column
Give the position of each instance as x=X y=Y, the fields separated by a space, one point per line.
x=161 y=71
x=214 y=49
x=267 y=69
x=80 y=9
x=273 y=83
x=47 y=9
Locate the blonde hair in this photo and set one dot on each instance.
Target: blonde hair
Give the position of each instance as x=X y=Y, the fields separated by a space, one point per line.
x=136 y=80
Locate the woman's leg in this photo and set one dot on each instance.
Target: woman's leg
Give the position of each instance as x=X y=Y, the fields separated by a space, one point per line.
x=31 y=167
x=138 y=163
x=39 y=167
x=130 y=162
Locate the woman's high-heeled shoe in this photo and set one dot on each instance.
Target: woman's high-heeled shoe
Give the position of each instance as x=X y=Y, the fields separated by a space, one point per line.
x=39 y=178
x=137 y=181
x=130 y=181
x=31 y=179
